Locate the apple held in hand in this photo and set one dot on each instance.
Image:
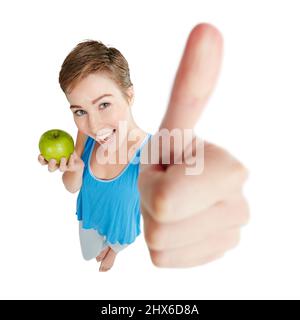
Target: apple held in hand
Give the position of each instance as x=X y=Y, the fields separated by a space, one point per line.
x=56 y=144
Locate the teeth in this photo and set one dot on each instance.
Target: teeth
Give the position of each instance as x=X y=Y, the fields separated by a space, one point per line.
x=104 y=136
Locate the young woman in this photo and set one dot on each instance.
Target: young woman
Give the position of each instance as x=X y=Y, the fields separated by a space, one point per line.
x=96 y=82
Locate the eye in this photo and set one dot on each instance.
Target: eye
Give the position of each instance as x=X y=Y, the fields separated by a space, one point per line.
x=104 y=103
x=79 y=114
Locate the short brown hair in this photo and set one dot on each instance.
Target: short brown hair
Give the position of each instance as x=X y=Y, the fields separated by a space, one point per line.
x=91 y=56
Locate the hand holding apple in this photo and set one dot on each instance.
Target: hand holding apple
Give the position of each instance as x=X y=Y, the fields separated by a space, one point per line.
x=57 y=148
x=56 y=144
x=74 y=163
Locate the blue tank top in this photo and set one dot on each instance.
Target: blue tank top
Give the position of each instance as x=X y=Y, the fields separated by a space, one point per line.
x=112 y=207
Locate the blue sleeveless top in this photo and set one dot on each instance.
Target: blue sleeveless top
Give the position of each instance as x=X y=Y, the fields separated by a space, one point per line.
x=112 y=207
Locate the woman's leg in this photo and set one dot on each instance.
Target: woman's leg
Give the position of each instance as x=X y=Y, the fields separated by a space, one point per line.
x=91 y=242
x=110 y=256
x=108 y=260
x=102 y=254
x=118 y=247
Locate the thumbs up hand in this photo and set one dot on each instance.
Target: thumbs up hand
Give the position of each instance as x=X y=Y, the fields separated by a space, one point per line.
x=191 y=219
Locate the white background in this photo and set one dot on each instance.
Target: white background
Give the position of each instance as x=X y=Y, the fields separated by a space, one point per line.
x=253 y=113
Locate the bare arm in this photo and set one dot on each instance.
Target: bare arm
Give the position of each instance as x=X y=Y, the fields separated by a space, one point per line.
x=72 y=179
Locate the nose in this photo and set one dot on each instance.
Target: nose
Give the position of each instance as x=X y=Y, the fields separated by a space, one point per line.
x=94 y=123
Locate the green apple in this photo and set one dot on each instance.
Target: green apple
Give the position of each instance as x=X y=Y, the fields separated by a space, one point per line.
x=56 y=144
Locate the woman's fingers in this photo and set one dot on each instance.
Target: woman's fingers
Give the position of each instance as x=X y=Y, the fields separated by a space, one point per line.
x=52 y=166
x=63 y=165
x=172 y=195
x=199 y=261
x=42 y=160
x=75 y=162
x=71 y=162
x=195 y=78
x=196 y=254
x=232 y=212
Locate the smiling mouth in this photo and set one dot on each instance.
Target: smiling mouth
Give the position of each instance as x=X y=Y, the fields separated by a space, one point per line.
x=107 y=138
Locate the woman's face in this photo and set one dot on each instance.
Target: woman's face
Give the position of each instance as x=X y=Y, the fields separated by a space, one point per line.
x=98 y=106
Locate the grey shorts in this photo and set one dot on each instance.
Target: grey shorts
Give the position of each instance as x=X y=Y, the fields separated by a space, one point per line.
x=92 y=243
